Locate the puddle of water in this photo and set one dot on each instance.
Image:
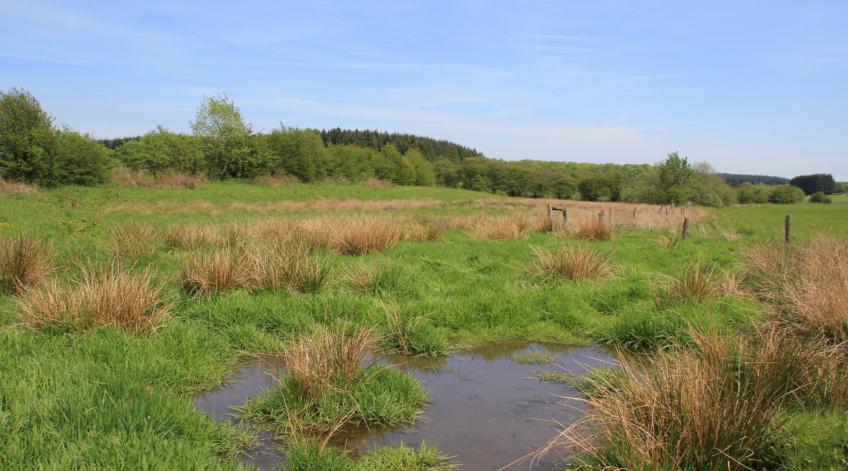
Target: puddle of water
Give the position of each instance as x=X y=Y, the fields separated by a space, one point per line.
x=249 y=382
x=486 y=410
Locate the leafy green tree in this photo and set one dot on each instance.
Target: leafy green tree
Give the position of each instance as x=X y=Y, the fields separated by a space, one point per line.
x=814 y=183
x=163 y=151
x=300 y=153
x=747 y=193
x=785 y=194
x=675 y=176
x=32 y=150
x=84 y=161
x=27 y=140
x=228 y=144
x=424 y=175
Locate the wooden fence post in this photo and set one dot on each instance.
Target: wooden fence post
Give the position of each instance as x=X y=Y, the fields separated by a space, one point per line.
x=551 y=216
x=601 y=216
x=634 y=214
x=787 y=229
x=565 y=216
x=685 y=228
x=610 y=215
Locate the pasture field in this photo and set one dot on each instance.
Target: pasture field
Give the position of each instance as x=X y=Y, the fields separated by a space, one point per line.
x=235 y=270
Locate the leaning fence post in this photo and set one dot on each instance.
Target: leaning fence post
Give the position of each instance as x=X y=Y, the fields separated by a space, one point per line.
x=787 y=228
x=565 y=216
x=551 y=216
x=685 y=228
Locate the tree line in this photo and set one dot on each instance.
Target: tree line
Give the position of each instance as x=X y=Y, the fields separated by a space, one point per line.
x=223 y=145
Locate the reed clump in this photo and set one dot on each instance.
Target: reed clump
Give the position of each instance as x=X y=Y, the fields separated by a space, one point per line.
x=716 y=406
x=806 y=286
x=329 y=357
x=102 y=296
x=255 y=268
x=363 y=234
x=23 y=263
x=572 y=263
x=695 y=282
x=594 y=229
x=134 y=240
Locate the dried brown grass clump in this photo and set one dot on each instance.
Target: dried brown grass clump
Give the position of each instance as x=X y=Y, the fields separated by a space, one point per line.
x=573 y=263
x=512 y=226
x=134 y=240
x=103 y=296
x=594 y=229
x=328 y=357
x=806 y=285
x=695 y=282
x=23 y=263
x=196 y=236
x=374 y=182
x=275 y=181
x=18 y=189
x=714 y=407
x=255 y=268
x=362 y=234
x=424 y=230
x=288 y=267
x=217 y=272
x=139 y=179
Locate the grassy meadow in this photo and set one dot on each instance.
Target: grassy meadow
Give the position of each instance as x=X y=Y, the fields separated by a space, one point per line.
x=119 y=304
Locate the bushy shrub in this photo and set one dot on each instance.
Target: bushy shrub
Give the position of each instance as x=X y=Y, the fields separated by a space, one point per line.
x=32 y=150
x=820 y=197
x=785 y=194
x=163 y=151
x=747 y=193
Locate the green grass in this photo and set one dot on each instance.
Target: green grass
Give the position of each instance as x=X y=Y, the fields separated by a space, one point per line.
x=105 y=398
x=378 y=396
x=308 y=456
x=534 y=358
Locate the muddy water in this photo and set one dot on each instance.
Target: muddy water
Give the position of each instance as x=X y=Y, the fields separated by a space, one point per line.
x=486 y=409
x=248 y=382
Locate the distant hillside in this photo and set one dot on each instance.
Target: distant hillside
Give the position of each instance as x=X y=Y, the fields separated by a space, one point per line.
x=432 y=149
x=736 y=179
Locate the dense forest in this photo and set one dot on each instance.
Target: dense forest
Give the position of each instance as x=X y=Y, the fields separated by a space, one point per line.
x=222 y=146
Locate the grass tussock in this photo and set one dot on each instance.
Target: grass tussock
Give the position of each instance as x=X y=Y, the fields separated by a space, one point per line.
x=534 y=358
x=217 y=272
x=509 y=227
x=197 y=236
x=412 y=335
x=330 y=388
x=572 y=263
x=329 y=357
x=139 y=179
x=696 y=282
x=363 y=234
x=23 y=263
x=717 y=406
x=288 y=267
x=275 y=181
x=373 y=278
x=424 y=230
x=102 y=296
x=255 y=268
x=134 y=241
x=9 y=188
x=594 y=229
x=806 y=285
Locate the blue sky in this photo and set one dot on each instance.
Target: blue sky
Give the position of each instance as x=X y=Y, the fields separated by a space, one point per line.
x=750 y=87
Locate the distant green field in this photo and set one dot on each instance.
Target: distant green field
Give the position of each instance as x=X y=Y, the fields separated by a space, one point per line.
x=107 y=398
x=766 y=221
